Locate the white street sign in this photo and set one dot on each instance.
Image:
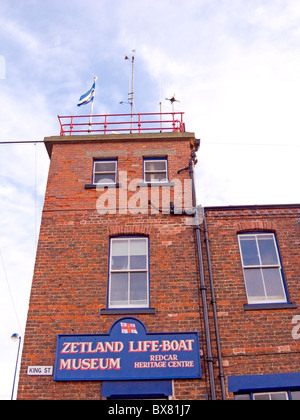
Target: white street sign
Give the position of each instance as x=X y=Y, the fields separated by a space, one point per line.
x=40 y=370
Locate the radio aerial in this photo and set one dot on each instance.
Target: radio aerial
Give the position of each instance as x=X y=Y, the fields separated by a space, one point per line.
x=130 y=90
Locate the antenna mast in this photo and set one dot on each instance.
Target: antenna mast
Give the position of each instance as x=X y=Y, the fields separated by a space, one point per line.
x=131 y=97
x=131 y=93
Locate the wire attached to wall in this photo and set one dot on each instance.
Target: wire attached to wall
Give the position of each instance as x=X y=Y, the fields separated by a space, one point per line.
x=35 y=194
x=10 y=293
x=22 y=142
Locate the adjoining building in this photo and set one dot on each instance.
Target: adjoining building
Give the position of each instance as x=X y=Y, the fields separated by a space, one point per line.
x=139 y=294
x=254 y=254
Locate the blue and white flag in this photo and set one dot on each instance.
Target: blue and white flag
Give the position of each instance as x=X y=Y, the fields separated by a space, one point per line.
x=87 y=97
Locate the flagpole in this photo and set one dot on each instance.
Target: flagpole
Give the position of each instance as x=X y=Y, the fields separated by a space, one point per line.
x=92 y=107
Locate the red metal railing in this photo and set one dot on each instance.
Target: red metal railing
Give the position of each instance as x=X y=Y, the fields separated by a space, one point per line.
x=121 y=123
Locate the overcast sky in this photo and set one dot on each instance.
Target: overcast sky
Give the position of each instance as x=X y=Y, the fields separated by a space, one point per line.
x=233 y=64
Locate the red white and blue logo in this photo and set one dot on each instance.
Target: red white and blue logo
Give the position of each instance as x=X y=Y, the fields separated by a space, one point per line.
x=128 y=328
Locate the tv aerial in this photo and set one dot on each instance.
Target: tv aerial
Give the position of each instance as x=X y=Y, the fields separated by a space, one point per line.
x=131 y=88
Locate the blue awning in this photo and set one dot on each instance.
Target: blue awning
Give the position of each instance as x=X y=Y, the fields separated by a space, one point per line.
x=137 y=389
x=260 y=383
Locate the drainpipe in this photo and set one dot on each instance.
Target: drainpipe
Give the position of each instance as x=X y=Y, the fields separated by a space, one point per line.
x=214 y=304
x=203 y=288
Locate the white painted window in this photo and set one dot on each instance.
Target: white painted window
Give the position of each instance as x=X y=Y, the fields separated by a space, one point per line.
x=271 y=396
x=155 y=170
x=105 y=172
x=262 y=268
x=129 y=273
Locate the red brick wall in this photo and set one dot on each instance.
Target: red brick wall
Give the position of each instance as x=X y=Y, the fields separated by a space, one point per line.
x=70 y=279
x=254 y=342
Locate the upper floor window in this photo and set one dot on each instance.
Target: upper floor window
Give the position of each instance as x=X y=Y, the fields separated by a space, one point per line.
x=155 y=170
x=128 y=273
x=105 y=172
x=262 y=268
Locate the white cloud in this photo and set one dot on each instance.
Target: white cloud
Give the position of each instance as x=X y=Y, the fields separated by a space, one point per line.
x=233 y=64
x=2 y=67
x=19 y=224
x=23 y=174
x=19 y=35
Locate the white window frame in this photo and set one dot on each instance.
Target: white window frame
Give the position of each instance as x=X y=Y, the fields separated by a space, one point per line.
x=115 y=172
x=252 y=396
x=165 y=160
x=129 y=271
x=270 y=394
x=261 y=266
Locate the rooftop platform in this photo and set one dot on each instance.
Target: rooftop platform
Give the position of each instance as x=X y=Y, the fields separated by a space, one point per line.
x=114 y=138
x=122 y=124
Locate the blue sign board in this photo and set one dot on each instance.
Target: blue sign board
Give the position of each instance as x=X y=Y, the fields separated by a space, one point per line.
x=128 y=352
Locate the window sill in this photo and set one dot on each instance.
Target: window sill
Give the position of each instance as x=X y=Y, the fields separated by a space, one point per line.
x=128 y=311
x=94 y=186
x=270 y=306
x=156 y=184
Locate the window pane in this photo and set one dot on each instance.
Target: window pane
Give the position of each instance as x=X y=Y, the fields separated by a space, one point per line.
x=138 y=288
x=119 y=289
x=158 y=165
x=138 y=262
x=119 y=247
x=138 y=254
x=261 y=397
x=138 y=246
x=249 y=250
x=119 y=254
x=267 y=250
x=295 y=395
x=279 y=396
x=105 y=166
x=274 y=284
x=242 y=397
x=254 y=285
x=156 y=177
x=119 y=263
x=105 y=178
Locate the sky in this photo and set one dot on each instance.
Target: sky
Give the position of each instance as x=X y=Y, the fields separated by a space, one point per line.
x=233 y=64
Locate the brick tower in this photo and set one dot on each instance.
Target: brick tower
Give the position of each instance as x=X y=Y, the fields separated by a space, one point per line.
x=115 y=304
